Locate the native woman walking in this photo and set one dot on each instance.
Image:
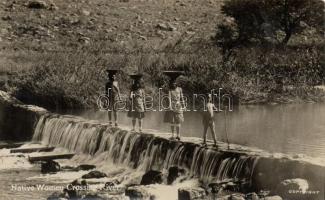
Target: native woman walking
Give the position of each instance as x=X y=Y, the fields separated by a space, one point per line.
x=112 y=91
x=137 y=101
x=174 y=116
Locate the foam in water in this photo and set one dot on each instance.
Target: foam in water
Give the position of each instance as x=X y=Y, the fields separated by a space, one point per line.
x=12 y=160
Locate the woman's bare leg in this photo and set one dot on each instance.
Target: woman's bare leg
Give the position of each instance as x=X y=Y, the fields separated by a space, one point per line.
x=205 y=130
x=133 y=123
x=213 y=133
x=109 y=114
x=140 y=125
x=115 y=118
x=172 y=129
x=178 y=127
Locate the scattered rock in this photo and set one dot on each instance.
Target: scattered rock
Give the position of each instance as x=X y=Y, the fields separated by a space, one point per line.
x=50 y=167
x=85 y=12
x=6 y=18
x=272 y=198
x=94 y=174
x=85 y=40
x=53 y=6
x=4 y=31
x=36 y=4
x=191 y=193
x=152 y=177
x=85 y=167
x=187 y=23
x=143 y=37
x=172 y=28
x=166 y=27
x=160 y=34
x=138 y=192
x=173 y=174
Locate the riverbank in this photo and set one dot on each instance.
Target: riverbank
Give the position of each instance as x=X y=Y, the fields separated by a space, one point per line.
x=57 y=58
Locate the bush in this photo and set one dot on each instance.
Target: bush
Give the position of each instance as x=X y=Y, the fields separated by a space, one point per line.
x=261 y=21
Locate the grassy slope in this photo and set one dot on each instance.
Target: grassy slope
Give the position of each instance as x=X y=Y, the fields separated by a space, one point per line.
x=62 y=53
x=99 y=33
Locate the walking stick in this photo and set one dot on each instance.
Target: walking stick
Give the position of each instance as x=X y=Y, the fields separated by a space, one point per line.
x=226 y=128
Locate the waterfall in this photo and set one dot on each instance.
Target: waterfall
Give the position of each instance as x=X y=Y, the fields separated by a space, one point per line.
x=141 y=151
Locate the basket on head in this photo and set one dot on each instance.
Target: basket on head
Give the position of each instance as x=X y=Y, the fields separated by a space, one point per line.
x=111 y=72
x=173 y=75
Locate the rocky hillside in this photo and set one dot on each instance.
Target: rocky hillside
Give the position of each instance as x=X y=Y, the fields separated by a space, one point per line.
x=119 y=25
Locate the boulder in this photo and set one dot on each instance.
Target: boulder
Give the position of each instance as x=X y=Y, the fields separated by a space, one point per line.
x=272 y=198
x=252 y=196
x=173 y=174
x=263 y=193
x=109 y=186
x=56 y=196
x=94 y=174
x=237 y=197
x=68 y=168
x=151 y=177
x=231 y=186
x=36 y=4
x=76 y=189
x=85 y=167
x=191 y=193
x=215 y=188
x=50 y=167
x=138 y=193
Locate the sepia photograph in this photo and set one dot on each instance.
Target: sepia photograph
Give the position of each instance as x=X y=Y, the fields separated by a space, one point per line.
x=162 y=100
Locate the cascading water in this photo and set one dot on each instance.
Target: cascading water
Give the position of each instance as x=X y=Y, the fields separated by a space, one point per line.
x=141 y=151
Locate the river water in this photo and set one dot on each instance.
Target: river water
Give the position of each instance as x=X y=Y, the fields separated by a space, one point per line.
x=293 y=128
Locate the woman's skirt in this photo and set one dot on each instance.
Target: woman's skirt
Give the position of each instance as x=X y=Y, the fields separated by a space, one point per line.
x=173 y=117
x=135 y=114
